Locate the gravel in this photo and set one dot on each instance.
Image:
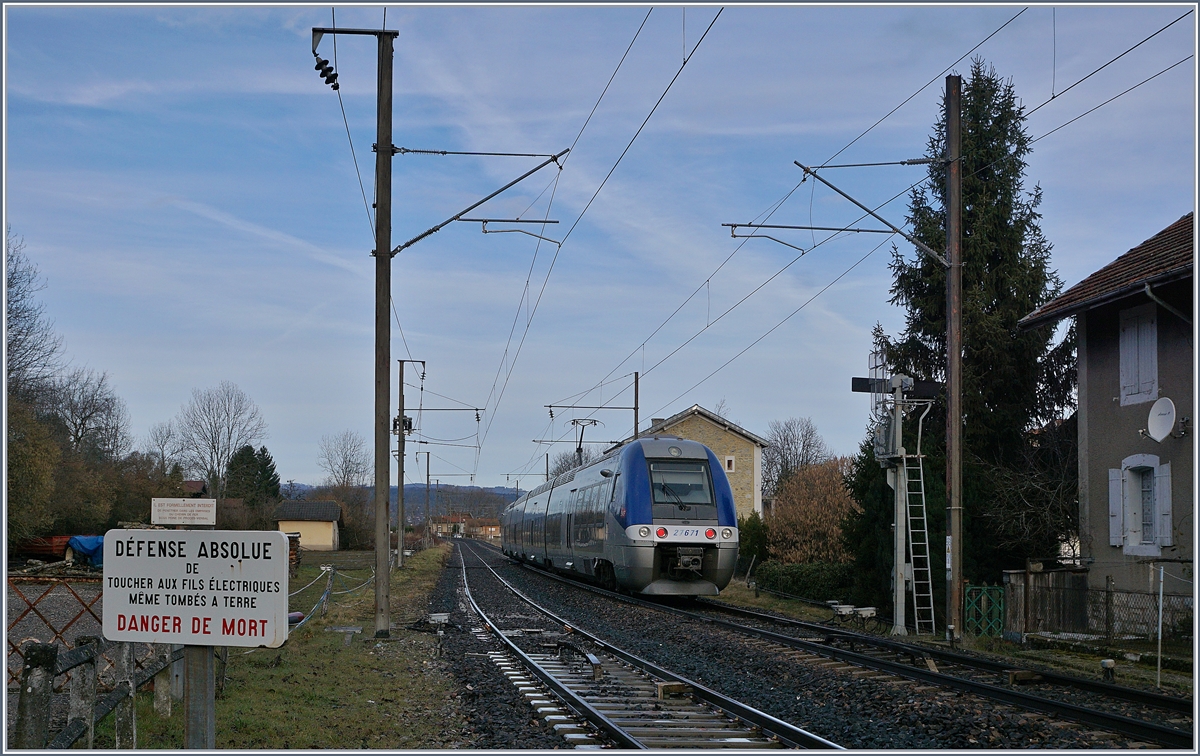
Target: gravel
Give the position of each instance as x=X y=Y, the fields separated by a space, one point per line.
x=496 y=714
x=854 y=712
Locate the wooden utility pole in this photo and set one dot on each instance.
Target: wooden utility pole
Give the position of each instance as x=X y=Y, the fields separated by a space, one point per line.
x=954 y=508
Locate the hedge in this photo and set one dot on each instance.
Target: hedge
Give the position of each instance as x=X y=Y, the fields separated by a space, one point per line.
x=819 y=582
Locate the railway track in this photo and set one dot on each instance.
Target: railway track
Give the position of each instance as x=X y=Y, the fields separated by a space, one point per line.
x=1140 y=716
x=593 y=693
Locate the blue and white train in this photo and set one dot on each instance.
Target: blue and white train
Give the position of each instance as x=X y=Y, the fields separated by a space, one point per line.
x=654 y=516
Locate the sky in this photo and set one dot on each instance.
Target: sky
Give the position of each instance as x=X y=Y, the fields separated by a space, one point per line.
x=185 y=183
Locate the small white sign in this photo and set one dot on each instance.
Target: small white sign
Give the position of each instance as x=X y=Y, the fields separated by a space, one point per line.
x=196 y=587
x=183 y=511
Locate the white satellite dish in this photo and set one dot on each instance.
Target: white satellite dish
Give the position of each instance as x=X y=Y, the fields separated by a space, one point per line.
x=1162 y=419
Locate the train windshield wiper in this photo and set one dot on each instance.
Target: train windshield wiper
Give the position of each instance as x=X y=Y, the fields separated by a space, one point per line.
x=666 y=487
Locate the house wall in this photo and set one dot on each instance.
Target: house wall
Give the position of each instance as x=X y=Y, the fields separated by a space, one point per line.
x=745 y=480
x=315 y=535
x=1108 y=433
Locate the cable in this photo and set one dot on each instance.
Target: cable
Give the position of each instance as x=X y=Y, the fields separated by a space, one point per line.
x=399 y=327
x=1109 y=63
x=546 y=280
x=1135 y=86
x=777 y=325
x=353 y=156
x=797 y=186
x=922 y=89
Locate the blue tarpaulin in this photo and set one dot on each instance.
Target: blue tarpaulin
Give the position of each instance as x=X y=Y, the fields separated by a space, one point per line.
x=88 y=549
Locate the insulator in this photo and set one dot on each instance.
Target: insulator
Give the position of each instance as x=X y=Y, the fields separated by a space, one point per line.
x=331 y=78
x=334 y=86
x=326 y=70
x=321 y=63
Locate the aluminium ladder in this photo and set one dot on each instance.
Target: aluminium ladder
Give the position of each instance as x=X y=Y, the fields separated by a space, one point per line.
x=918 y=544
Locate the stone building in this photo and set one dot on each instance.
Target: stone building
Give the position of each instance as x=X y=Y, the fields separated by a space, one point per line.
x=738 y=450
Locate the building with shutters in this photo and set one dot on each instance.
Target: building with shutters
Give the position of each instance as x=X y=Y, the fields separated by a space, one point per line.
x=1133 y=320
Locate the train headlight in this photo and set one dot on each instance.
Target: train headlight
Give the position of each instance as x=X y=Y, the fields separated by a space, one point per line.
x=726 y=534
x=710 y=533
x=661 y=532
x=644 y=532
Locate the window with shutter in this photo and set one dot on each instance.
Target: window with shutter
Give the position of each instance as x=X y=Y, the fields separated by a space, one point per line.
x=1137 y=488
x=1162 y=493
x=1116 y=509
x=1138 y=350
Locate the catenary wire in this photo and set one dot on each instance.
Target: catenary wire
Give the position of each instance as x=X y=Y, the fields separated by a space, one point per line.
x=1109 y=63
x=738 y=248
x=550 y=269
x=777 y=325
x=1043 y=136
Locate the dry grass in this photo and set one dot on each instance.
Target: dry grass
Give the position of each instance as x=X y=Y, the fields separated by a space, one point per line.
x=317 y=692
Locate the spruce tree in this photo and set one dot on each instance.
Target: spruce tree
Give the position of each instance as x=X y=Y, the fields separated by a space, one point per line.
x=1013 y=381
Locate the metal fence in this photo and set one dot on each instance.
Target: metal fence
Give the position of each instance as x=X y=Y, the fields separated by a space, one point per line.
x=984 y=610
x=1096 y=613
x=58 y=611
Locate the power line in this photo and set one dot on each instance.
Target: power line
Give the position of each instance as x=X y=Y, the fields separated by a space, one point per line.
x=774 y=327
x=924 y=86
x=346 y=121
x=1109 y=63
x=780 y=203
x=1135 y=86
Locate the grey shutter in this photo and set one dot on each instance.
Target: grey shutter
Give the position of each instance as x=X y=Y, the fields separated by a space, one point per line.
x=1116 y=509
x=1162 y=504
x=1147 y=355
x=1128 y=356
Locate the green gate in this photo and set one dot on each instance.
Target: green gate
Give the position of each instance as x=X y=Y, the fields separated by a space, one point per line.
x=984 y=610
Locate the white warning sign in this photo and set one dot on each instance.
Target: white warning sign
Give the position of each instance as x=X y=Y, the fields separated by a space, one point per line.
x=196 y=587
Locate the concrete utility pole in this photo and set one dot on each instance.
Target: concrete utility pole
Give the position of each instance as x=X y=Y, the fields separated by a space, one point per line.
x=384 y=149
x=954 y=358
x=635 y=404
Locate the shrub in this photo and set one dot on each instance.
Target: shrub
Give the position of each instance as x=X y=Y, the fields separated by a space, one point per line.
x=819 y=582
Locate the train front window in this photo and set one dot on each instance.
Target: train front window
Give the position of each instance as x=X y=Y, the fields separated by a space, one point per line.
x=682 y=490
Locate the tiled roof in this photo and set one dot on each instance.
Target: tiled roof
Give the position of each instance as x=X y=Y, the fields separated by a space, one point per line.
x=325 y=511
x=1166 y=256
x=712 y=417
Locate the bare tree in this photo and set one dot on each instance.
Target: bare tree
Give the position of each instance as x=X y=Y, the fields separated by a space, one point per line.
x=567 y=460
x=95 y=418
x=721 y=409
x=33 y=349
x=164 y=444
x=344 y=456
x=795 y=443
x=213 y=425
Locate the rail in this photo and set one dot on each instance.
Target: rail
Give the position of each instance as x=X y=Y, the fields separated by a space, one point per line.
x=787 y=733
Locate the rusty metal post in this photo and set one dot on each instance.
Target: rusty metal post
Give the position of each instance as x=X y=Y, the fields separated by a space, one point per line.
x=1108 y=609
x=83 y=689
x=125 y=715
x=33 y=702
x=954 y=510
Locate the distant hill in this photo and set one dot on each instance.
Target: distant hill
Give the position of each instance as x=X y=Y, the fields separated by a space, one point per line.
x=444 y=498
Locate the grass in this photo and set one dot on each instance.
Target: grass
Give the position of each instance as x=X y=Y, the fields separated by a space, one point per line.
x=317 y=692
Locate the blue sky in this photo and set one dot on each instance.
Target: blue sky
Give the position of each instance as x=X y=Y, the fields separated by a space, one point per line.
x=183 y=180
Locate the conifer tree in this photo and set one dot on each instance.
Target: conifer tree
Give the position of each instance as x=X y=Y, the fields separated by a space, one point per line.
x=1013 y=381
